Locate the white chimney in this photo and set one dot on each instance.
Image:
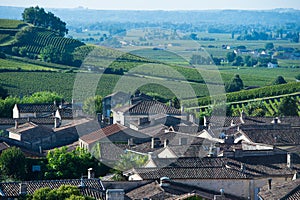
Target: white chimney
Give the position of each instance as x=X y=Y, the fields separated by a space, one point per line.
x=152 y=143
x=289 y=162
x=16 y=124
x=56 y=122
x=91 y=173
x=165 y=143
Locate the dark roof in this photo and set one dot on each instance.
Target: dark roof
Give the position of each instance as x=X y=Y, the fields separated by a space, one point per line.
x=254 y=166
x=90 y=186
x=276 y=136
x=221 y=121
x=40 y=120
x=3 y=146
x=38 y=108
x=31 y=132
x=281 y=190
x=149 y=107
x=190 y=173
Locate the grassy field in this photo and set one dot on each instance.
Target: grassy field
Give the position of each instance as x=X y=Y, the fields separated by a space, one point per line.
x=11 y=24
x=20 y=65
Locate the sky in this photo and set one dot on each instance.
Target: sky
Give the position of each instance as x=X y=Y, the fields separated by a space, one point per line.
x=157 y=4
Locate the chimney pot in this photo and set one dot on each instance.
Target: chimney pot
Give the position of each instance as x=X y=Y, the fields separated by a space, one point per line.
x=23 y=188
x=152 y=143
x=16 y=124
x=91 y=173
x=289 y=160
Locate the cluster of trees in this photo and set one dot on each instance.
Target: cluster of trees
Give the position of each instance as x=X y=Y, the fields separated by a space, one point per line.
x=38 y=17
x=197 y=59
x=64 y=192
x=59 y=164
x=236 y=84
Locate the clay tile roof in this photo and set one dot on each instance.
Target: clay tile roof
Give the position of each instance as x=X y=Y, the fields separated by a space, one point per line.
x=281 y=190
x=12 y=189
x=102 y=133
x=3 y=146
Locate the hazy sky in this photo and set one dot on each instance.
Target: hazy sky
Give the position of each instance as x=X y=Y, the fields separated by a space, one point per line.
x=157 y=4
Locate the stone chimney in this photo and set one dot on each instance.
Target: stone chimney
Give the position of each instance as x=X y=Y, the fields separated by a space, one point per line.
x=243 y=167
x=166 y=143
x=130 y=142
x=91 y=173
x=152 y=143
x=242 y=117
x=270 y=183
x=23 y=189
x=16 y=124
x=289 y=162
x=56 y=122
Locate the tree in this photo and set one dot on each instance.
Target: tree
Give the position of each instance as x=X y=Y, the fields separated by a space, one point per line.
x=238 y=61
x=288 y=107
x=236 y=84
x=175 y=102
x=50 y=54
x=279 y=80
x=93 y=105
x=269 y=46
x=12 y=163
x=63 y=164
x=3 y=93
x=38 y=17
x=230 y=56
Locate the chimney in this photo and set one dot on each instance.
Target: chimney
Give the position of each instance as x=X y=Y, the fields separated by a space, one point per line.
x=152 y=143
x=23 y=189
x=56 y=122
x=270 y=183
x=242 y=117
x=182 y=108
x=91 y=173
x=242 y=167
x=166 y=143
x=276 y=120
x=289 y=162
x=130 y=142
x=170 y=103
x=16 y=124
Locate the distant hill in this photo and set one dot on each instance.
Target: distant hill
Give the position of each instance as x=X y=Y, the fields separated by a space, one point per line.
x=81 y=15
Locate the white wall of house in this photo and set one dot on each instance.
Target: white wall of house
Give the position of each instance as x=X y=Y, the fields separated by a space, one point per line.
x=237 y=187
x=166 y=153
x=14 y=136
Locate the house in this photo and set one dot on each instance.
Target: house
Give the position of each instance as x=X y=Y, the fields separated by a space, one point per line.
x=236 y=176
x=47 y=110
x=33 y=110
x=144 y=109
x=115 y=133
x=38 y=137
x=120 y=99
x=272 y=65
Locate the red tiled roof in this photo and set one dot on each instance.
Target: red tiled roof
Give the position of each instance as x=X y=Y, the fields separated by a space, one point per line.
x=102 y=133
